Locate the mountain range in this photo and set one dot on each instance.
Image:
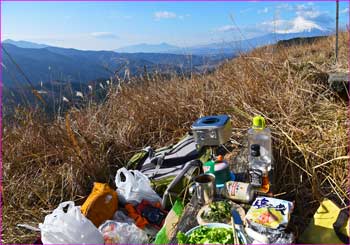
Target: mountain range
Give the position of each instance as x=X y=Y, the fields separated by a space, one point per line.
x=44 y=63
x=148 y=48
x=59 y=75
x=222 y=47
x=53 y=63
x=25 y=44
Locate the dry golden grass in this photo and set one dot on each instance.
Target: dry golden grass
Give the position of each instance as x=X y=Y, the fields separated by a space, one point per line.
x=47 y=163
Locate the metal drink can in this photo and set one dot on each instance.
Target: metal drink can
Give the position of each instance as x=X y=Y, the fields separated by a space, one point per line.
x=238 y=191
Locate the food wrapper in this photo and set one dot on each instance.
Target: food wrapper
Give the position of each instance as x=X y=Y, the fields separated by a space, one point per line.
x=122 y=233
x=270 y=213
x=169 y=227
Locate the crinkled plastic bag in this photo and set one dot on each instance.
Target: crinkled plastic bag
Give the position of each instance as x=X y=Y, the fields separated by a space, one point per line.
x=122 y=233
x=69 y=227
x=270 y=213
x=270 y=236
x=121 y=217
x=135 y=188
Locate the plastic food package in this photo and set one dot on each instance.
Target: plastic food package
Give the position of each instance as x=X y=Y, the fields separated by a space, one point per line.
x=121 y=217
x=270 y=213
x=261 y=235
x=135 y=187
x=122 y=233
x=169 y=228
x=69 y=227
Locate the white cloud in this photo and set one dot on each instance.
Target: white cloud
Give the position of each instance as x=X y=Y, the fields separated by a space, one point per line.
x=306 y=11
x=164 y=15
x=169 y=15
x=344 y=11
x=263 y=11
x=285 y=6
x=299 y=24
x=307 y=17
x=103 y=35
x=226 y=28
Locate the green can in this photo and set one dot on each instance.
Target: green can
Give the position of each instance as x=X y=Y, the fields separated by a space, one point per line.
x=220 y=169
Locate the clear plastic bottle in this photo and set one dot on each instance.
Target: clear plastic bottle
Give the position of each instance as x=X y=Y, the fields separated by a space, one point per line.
x=258 y=170
x=261 y=135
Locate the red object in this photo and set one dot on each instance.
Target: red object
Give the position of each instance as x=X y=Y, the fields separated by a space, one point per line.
x=147 y=213
x=140 y=221
x=152 y=212
x=219 y=158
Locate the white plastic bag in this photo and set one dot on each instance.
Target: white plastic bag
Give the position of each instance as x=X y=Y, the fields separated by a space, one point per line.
x=122 y=233
x=121 y=217
x=136 y=187
x=70 y=227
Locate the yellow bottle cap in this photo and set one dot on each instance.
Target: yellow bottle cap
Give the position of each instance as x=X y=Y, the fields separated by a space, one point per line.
x=258 y=122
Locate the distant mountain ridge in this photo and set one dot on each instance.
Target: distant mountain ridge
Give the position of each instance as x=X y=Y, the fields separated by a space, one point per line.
x=46 y=63
x=54 y=63
x=148 y=48
x=230 y=47
x=218 y=48
x=25 y=44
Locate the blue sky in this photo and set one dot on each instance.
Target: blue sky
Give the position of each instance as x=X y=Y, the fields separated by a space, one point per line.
x=110 y=25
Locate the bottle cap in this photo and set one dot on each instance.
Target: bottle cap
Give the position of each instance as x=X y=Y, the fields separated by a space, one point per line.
x=219 y=158
x=255 y=150
x=259 y=122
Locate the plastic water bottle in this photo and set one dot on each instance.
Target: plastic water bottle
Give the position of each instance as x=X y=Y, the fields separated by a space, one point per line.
x=261 y=135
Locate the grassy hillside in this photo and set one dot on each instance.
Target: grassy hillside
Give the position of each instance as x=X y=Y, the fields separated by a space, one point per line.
x=45 y=163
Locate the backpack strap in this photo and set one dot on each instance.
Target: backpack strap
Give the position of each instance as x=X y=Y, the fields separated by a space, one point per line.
x=343 y=217
x=192 y=164
x=139 y=158
x=171 y=150
x=160 y=161
x=175 y=148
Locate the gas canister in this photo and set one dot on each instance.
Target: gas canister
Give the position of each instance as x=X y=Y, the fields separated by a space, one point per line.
x=219 y=168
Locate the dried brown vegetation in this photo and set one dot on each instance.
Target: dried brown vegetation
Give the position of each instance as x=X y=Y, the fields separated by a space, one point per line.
x=45 y=163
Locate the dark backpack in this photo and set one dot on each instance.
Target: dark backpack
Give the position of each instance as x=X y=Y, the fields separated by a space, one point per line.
x=171 y=169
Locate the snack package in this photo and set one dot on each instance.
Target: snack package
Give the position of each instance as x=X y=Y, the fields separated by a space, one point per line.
x=122 y=233
x=270 y=213
x=169 y=227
